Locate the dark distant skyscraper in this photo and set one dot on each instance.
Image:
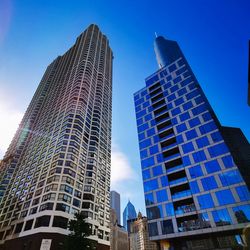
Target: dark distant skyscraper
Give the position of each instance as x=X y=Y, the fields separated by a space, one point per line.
x=195 y=195
x=128 y=214
x=115 y=203
x=59 y=160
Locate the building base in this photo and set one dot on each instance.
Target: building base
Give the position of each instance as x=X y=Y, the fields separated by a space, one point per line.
x=33 y=242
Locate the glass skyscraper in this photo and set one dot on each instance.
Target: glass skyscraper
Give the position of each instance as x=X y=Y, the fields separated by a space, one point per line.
x=195 y=194
x=129 y=213
x=58 y=163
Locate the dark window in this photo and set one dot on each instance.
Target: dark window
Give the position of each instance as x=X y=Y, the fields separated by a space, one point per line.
x=154 y=212
x=152 y=229
x=19 y=227
x=42 y=221
x=28 y=225
x=167 y=227
x=60 y=221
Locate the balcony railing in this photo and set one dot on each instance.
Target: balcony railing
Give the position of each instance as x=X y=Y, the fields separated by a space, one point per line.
x=172 y=169
x=167 y=158
x=181 y=194
x=185 y=209
x=180 y=180
x=193 y=225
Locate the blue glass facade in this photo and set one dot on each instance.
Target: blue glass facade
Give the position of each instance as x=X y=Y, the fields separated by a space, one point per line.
x=190 y=179
x=129 y=213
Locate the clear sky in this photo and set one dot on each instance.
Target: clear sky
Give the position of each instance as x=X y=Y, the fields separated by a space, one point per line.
x=213 y=35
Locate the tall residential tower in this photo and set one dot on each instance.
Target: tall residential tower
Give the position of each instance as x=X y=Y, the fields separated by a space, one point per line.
x=195 y=194
x=58 y=163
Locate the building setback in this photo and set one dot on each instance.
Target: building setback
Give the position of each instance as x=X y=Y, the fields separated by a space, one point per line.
x=195 y=195
x=58 y=162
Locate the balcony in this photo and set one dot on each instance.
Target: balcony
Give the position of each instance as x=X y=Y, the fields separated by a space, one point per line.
x=162 y=118
x=166 y=134
x=171 y=154
x=184 y=209
x=193 y=223
x=178 y=181
x=181 y=194
x=175 y=168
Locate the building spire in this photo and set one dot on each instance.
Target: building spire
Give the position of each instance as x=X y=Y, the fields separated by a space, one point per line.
x=156 y=35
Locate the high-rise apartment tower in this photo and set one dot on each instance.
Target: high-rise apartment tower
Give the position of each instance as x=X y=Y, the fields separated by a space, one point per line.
x=195 y=194
x=58 y=163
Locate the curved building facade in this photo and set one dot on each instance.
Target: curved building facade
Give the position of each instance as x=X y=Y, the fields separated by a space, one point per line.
x=58 y=163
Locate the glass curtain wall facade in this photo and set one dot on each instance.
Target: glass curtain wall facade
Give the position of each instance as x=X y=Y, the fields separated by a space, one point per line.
x=58 y=163
x=193 y=189
x=129 y=213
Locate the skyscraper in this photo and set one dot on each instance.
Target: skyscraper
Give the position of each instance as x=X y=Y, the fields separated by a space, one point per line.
x=115 y=203
x=58 y=163
x=195 y=195
x=128 y=214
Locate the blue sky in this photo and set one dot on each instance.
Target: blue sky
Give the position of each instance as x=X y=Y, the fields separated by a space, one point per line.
x=212 y=34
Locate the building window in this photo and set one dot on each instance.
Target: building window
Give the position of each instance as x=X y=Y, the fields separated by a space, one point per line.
x=191 y=134
x=205 y=201
x=157 y=170
x=180 y=128
x=28 y=225
x=217 y=150
x=230 y=177
x=221 y=217
x=169 y=209
x=212 y=166
x=151 y=185
x=242 y=213
x=194 y=187
x=194 y=122
x=225 y=197
x=167 y=227
x=42 y=221
x=154 y=212
x=147 y=162
x=149 y=199
x=228 y=161
x=243 y=193
x=195 y=171
x=162 y=195
x=188 y=147
x=146 y=174
x=202 y=142
x=216 y=136
x=152 y=229
x=199 y=156
x=209 y=183
x=60 y=221
x=164 y=181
